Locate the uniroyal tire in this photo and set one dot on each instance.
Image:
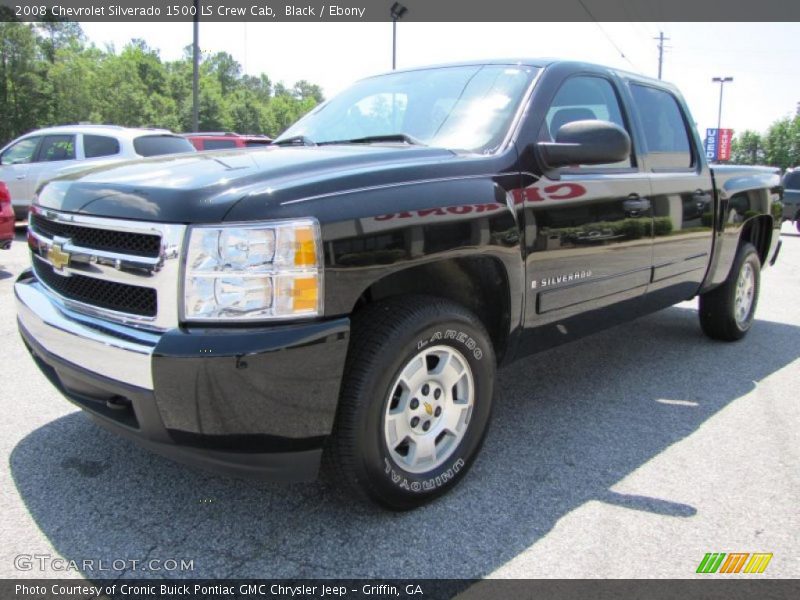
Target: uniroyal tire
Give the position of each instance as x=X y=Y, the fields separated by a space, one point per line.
x=727 y=312
x=403 y=355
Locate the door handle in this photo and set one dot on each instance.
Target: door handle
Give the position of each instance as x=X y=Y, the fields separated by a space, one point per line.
x=636 y=204
x=21 y=176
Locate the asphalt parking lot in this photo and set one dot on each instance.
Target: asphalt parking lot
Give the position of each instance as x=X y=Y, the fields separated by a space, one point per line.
x=628 y=454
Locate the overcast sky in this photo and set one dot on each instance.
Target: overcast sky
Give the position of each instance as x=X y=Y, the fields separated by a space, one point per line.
x=761 y=57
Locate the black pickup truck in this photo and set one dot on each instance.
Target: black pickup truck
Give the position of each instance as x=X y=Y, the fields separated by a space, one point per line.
x=348 y=292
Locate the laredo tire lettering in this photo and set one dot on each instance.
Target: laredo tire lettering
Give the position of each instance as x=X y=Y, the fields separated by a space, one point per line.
x=458 y=336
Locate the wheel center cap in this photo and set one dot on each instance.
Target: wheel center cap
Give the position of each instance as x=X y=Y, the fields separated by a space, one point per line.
x=426 y=407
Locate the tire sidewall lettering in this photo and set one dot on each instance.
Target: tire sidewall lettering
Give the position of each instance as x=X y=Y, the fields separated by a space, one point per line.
x=454 y=335
x=422 y=485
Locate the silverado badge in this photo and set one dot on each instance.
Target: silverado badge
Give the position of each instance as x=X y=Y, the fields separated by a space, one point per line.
x=564 y=278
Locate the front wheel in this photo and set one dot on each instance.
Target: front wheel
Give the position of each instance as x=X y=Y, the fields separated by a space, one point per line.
x=727 y=312
x=415 y=401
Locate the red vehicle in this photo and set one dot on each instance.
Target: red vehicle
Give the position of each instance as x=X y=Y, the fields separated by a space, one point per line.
x=6 y=218
x=218 y=140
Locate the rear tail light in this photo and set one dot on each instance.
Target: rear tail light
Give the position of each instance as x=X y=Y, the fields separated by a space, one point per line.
x=5 y=197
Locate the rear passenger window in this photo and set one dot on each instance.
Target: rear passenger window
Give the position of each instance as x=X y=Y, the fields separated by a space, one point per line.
x=666 y=136
x=218 y=144
x=156 y=145
x=57 y=147
x=99 y=145
x=583 y=98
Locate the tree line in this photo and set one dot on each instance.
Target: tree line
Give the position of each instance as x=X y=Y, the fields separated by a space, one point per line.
x=51 y=75
x=779 y=146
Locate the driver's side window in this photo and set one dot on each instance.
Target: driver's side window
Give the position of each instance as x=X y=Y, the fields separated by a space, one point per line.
x=20 y=153
x=583 y=98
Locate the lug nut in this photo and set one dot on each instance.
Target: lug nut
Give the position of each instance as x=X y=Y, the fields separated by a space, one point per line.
x=414 y=404
x=414 y=421
x=425 y=389
x=437 y=393
x=438 y=411
x=426 y=425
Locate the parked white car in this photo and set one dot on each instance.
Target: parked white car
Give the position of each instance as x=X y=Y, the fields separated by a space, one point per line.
x=46 y=153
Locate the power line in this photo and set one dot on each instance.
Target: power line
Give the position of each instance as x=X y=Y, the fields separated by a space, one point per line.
x=608 y=37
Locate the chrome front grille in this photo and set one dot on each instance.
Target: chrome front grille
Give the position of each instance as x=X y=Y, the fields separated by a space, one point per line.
x=120 y=297
x=125 y=271
x=126 y=242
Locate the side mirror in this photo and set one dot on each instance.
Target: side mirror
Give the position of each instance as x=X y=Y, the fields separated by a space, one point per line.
x=589 y=142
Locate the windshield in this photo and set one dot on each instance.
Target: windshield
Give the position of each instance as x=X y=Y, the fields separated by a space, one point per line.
x=466 y=108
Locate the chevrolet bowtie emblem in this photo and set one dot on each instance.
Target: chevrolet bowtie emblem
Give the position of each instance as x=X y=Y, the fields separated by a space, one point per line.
x=57 y=257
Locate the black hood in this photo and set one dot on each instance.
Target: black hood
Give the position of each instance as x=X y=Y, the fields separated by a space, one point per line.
x=203 y=187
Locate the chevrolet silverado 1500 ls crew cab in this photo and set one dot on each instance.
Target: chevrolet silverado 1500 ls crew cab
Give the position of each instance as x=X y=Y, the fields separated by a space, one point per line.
x=349 y=291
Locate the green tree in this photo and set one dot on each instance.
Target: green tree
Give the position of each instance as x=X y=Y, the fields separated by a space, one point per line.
x=782 y=143
x=24 y=89
x=76 y=84
x=747 y=148
x=226 y=70
x=304 y=90
x=56 y=33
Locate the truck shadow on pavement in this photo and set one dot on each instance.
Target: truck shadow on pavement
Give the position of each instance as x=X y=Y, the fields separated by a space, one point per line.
x=568 y=425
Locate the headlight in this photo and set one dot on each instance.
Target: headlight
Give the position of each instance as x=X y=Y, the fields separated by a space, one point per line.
x=267 y=271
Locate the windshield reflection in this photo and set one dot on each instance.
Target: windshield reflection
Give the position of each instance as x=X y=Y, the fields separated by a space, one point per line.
x=467 y=108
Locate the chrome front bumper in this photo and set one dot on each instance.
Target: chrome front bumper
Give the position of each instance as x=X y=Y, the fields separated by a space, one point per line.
x=111 y=350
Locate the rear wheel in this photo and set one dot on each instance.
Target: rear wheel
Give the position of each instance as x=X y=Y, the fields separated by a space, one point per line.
x=415 y=401
x=727 y=312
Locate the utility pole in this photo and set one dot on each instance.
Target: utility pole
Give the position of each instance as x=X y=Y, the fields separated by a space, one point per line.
x=196 y=68
x=661 y=39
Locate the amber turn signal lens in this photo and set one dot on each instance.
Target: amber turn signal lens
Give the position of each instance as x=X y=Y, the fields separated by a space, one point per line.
x=305 y=294
x=306 y=249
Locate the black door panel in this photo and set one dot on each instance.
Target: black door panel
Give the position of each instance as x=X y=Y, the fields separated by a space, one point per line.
x=590 y=250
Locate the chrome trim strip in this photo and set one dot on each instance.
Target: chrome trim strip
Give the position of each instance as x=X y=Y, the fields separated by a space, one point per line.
x=161 y=273
x=145 y=227
x=84 y=342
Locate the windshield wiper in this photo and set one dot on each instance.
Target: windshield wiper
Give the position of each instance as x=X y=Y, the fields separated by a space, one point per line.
x=297 y=140
x=389 y=137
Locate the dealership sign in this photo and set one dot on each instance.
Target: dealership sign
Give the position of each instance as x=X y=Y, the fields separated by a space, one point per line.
x=718 y=144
